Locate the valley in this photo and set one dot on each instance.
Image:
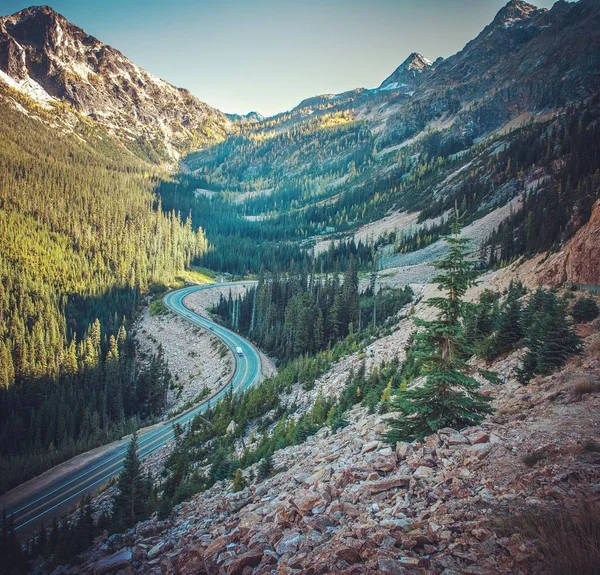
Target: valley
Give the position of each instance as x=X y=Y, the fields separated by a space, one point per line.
x=59 y=489
x=358 y=336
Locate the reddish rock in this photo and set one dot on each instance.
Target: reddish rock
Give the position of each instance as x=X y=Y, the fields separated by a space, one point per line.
x=387 y=484
x=307 y=502
x=579 y=261
x=348 y=555
x=212 y=552
x=237 y=564
x=189 y=561
x=479 y=437
x=402 y=450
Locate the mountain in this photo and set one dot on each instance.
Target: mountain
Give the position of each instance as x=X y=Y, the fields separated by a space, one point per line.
x=53 y=61
x=339 y=162
x=249 y=117
x=409 y=74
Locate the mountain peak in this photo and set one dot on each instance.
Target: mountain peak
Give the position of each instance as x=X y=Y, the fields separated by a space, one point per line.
x=49 y=59
x=416 y=61
x=513 y=12
x=408 y=74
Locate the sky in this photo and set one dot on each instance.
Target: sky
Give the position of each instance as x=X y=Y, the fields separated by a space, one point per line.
x=268 y=55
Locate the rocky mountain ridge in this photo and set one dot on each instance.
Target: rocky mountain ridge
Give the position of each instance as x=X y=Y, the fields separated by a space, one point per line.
x=53 y=61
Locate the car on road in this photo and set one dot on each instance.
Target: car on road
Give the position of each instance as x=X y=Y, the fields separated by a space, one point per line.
x=239 y=351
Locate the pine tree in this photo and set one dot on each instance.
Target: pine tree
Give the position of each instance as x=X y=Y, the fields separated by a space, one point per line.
x=265 y=467
x=510 y=329
x=551 y=337
x=11 y=555
x=130 y=503
x=448 y=396
x=585 y=309
x=239 y=481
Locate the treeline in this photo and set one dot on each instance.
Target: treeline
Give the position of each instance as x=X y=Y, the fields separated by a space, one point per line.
x=83 y=233
x=300 y=313
x=552 y=213
x=541 y=324
x=292 y=165
x=243 y=246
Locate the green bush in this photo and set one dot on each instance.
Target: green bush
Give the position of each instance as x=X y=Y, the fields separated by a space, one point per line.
x=585 y=309
x=532 y=458
x=157 y=307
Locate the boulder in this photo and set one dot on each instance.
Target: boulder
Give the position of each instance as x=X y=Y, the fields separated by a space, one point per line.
x=347 y=554
x=289 y=543
x=390 y=566
x=306 y=502
x=422 y=472
x=371 y=446
x=236 y=565
x=478 y=437
x=112 y=563
x=212 y=552
x=387 y=484
x=189 y=561
x=402 y=450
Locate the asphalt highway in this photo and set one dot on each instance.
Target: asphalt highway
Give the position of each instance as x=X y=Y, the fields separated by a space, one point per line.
x=60 y=489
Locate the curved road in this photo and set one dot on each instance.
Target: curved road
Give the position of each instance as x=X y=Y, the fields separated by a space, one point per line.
x=61 y=488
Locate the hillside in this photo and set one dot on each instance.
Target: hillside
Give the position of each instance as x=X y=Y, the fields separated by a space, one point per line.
x=419 y=261
x=336 y=163
x=54 y=62
x=512 y=495
x=83 y=236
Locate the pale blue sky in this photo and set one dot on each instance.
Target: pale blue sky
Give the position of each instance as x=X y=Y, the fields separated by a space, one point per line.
x=268 y=55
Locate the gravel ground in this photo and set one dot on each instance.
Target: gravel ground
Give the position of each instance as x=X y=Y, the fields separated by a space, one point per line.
x=196 y=358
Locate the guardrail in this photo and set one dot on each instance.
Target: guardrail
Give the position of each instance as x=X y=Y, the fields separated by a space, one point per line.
x=586 y=287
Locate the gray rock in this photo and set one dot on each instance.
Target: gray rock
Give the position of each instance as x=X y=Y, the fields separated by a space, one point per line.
x=113 y=562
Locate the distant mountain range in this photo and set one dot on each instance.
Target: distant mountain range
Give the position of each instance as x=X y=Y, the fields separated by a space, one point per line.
x=527 y=60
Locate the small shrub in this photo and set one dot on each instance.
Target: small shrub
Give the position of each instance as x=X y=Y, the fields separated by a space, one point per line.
x=591 y=446
x=265 y=467
x=239 y=481
x=585 y=309
x=569 y=539
x=532 y=458
x=157 y=307
x=583 y=386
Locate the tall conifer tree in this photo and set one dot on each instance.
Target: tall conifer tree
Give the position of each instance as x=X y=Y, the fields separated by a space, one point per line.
x=130 y=503
x=448 y=396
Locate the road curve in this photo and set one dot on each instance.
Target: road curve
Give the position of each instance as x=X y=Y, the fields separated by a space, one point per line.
x=60 y=489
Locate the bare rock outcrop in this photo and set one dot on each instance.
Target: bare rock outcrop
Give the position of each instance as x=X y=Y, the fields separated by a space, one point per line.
x=579 y=261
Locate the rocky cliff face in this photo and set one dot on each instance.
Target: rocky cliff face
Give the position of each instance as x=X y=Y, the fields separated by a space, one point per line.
x=51 y=60
x=527 y=60
x=579 y=261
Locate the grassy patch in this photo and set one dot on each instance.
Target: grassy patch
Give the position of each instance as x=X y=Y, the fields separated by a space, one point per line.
x=157 y=307
x=568 y=538
x=196 y=276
